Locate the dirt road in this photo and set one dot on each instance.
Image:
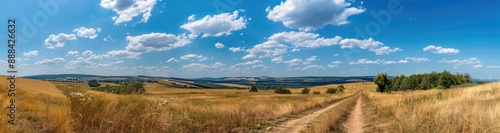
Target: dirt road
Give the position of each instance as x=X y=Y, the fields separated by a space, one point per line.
x=296 y=125
x=355 y=122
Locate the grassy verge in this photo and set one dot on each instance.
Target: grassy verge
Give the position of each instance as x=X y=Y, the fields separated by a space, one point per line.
x=471 y=109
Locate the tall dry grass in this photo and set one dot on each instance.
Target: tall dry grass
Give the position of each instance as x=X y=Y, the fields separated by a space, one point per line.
x=471 y=109
x=36 y=112
x=186 y=110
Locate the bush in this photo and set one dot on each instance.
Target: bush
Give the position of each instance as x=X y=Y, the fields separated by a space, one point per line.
x=132 y=88
x=282 y=91
x=441 y=87
x=253 y=89
x=481 y=82
x=305 y=91
x=94 y=83
x=316 y=92
x=331 y=90
x=340 y=89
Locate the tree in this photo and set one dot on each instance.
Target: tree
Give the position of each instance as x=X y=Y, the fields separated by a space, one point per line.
x=425 y=83
x=253 y=89
x=446 y=79
x=397 y=83
x=467 y=78
x=382 y=82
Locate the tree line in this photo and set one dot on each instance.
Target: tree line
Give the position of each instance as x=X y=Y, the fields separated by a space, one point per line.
x=129 y=88
x=424 y=81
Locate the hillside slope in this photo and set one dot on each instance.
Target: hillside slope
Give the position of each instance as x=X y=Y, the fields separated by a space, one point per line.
x=33 y=86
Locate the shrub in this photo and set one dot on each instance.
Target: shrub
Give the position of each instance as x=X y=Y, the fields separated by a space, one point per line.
x=481 y=82
x=340 y=89
x=282 y=91
x=441 y=87
x=331 y=90
x=316 y=92
x=305 y=91
x=94 y=83
x=253 y=89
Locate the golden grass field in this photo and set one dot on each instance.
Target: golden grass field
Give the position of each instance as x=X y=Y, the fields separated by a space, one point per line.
x=470 y=109
x=62 y=107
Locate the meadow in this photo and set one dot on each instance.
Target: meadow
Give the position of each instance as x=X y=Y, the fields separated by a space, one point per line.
x=468 y=109
x=65 y=107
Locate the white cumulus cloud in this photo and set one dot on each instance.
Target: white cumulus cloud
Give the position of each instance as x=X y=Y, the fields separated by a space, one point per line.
x=378 y=61
x=90 y=33
x=456 y=62
x=122 y=54
x=172 y=60
x=155 y=42
x=216 y=25
x=54 y=41
x=128 y=9
x=50 y=61
x=87 y=53
x=293 y=62
x=277 y=59
x=334 y=64
x=31 y=53
x=72 y=53
x=310 y=60
x=249 y=63
x=414 y=59
x=236 y=49
x=194 y=56
x=279 y=43
x=200 y=67
x=219 y=45
x=312 y=14
x=441 y=50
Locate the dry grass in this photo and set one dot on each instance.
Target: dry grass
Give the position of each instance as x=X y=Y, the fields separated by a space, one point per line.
x=471 y=109
x=37 y=111
x=42 y=107
x=189 y=110
x=233 y=85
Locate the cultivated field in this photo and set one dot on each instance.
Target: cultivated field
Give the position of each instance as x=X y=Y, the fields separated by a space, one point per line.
x=65 y=107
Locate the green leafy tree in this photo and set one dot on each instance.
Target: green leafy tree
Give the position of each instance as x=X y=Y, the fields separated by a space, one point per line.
x=446 y=79
x=382 y=82
x=253 y=89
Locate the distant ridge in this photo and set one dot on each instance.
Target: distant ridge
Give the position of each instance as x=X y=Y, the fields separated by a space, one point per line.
x=54 y=76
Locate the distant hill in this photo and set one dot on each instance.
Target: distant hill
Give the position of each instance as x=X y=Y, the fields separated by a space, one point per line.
x=55 y=76
x=209 y=82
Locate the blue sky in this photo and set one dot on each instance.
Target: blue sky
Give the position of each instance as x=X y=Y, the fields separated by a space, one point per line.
x=217 y=38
